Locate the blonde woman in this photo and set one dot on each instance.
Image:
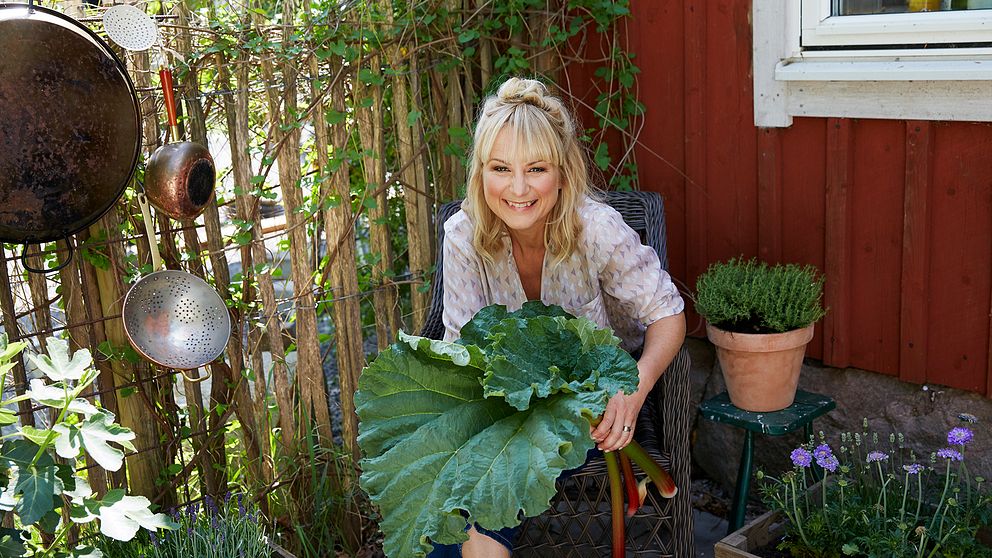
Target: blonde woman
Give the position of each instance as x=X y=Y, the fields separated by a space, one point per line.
x=531 y=228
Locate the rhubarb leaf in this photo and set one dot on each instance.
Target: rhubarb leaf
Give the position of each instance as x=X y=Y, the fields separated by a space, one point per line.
x=455 y=434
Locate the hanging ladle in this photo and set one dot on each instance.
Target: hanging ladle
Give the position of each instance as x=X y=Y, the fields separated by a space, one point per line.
x=180 y=176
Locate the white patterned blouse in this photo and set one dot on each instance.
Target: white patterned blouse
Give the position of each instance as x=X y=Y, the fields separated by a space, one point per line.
x=611 y=278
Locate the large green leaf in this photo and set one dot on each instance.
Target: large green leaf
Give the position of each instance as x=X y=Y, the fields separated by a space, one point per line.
x=93 y=435
x=454 y=434
x=441 y=448
x=58 y=365
x=476 y=331
x=36 y=485
x=10 y=543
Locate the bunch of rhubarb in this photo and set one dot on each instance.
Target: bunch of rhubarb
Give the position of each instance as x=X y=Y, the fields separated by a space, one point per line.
x=477 y=431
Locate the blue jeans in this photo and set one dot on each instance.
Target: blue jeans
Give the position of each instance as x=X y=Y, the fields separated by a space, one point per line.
x=507 y=535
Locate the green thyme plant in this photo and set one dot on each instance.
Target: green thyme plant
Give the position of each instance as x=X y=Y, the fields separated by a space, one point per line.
x=38 y=490
x=746 y=296
x=880 y=499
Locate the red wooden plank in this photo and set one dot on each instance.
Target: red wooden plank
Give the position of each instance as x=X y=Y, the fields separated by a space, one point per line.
x=836 y=242
x=803 y=202
x=770 y=194
x=961 y=240
x=731 y=161
x=915 y=253
x=875 y=205
x=694 y=17
x=654 y=33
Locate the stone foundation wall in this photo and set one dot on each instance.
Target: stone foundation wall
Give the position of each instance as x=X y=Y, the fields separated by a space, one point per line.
x=923 y=414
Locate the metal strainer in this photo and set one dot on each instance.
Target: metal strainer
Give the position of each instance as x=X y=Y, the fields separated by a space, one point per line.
x=174 y=318
x=130 y=27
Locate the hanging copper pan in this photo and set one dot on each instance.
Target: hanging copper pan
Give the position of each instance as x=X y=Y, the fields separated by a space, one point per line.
x=71 y=130
x=179 y=177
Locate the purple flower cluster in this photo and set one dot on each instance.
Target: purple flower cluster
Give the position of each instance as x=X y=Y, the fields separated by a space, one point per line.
x=801 y=457
x=913 y=469
x=959 y=436
x=948 y=453
x=876 y=456
x=825 y=458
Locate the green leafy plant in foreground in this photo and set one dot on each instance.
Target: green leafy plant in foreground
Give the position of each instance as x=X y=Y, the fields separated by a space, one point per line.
x=746 y=296
x=37 y=489
x=879 y=499
x=232 y=528
x=478 y=430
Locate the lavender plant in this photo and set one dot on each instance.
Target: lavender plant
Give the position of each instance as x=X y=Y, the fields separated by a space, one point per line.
x=231 y=528
x=881 y=499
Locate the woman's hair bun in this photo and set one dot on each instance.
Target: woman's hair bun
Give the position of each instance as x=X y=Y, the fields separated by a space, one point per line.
x=529 y=91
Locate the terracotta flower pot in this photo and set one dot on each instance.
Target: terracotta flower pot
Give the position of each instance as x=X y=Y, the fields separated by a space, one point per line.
x=761 y=370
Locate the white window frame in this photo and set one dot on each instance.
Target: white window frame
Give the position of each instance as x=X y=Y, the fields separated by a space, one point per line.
x=925 y=84
x=820 y=28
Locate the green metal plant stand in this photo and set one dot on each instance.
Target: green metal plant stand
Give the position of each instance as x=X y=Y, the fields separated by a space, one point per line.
x=807 y=407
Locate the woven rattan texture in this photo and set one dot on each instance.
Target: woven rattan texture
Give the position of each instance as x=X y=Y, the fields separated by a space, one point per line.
x=578 y=523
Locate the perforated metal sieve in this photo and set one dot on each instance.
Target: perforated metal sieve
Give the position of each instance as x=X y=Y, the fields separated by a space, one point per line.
x=176 y=320
x=130 y=27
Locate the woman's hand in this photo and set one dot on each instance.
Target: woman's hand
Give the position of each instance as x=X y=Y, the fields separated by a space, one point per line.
x=616 y=430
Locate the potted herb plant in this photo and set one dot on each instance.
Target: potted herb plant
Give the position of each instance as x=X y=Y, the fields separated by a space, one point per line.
x=877 y=498
x=760 y=318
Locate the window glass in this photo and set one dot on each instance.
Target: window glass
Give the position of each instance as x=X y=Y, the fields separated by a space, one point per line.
x=863 y=7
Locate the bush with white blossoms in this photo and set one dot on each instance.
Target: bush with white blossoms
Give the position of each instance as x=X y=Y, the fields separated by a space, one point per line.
x=878 y=498
x=40 y=490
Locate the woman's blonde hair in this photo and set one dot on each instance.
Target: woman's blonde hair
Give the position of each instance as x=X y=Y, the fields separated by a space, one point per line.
x=544 y=130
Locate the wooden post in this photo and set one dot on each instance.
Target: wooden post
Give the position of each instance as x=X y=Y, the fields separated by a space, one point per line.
x=339 y=230
x=415 y=194
x=368 y=97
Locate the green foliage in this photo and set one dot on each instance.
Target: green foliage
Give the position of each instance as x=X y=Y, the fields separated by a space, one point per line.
x=750 y=297
x=879 y=499
x=483 y=426
x=38 y=489
x=233 y=529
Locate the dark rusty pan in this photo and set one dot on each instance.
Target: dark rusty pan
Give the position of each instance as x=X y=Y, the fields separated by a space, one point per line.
x=71 y=131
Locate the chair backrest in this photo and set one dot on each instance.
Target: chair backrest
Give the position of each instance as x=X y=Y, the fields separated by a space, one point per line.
x=642 y=211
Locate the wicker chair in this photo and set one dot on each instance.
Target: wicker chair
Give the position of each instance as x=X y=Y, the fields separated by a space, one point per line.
x=578 y=522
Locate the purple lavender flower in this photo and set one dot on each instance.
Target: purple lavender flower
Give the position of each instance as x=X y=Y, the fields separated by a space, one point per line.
x=801 y=457
x=829 y=463
x=913 y=469
x=241 y=505
x=959 y=436
x=153 y=538
x=876 y=456
x=948 y=453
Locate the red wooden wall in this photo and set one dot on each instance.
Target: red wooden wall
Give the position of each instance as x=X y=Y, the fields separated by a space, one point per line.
x=898 y=214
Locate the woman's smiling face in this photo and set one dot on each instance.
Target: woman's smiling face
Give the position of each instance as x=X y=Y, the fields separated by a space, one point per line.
x=520 y=189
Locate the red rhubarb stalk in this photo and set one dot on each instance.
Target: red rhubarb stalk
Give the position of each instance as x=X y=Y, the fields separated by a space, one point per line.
x=616 y=504
x=660 y=477
x=630 y=485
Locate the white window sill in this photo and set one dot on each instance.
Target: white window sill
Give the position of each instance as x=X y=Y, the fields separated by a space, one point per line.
x=883 y=70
